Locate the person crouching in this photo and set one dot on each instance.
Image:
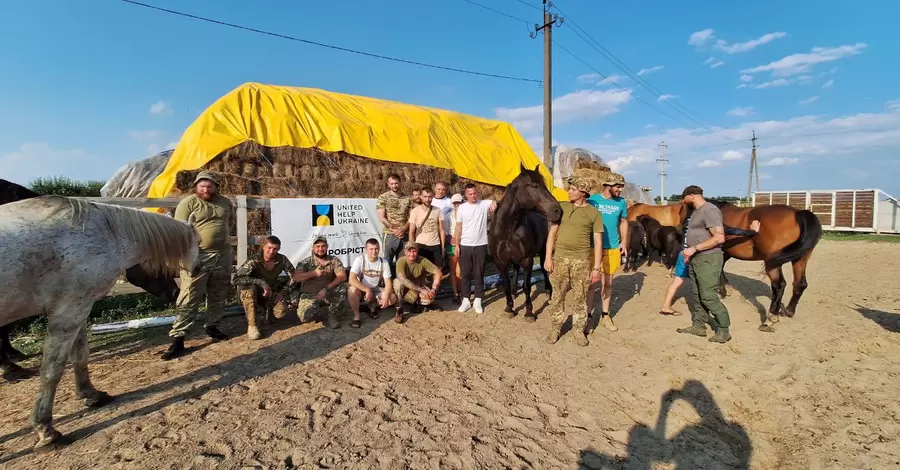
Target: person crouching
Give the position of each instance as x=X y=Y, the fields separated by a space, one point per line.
x=264 y=285
x=412 y=277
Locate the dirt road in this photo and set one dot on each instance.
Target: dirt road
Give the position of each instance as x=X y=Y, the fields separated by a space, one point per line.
x=450 y=390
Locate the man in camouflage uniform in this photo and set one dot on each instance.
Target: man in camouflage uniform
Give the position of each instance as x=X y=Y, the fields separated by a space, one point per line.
x=571 y=261
x=211 y=215
x=264 y=284
x=393 y=211
x=323 y=285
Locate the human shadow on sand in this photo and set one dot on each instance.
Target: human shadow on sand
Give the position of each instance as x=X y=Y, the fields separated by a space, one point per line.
x=751 y=290
x=712 y=443
x=887 y=320
x=297 y=349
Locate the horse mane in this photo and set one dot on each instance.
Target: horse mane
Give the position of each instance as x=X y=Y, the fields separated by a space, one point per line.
x=162 y=240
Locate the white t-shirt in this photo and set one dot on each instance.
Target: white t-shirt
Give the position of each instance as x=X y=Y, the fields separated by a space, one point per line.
x=474 y=222
x=445 y=207
x=370 y=272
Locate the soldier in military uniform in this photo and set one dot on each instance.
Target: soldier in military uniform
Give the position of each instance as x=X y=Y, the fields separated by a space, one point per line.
x=411 y=285
x=264 y=285
x=211 y=215
x=393 y=210
x=567 y=260
x=323 y=285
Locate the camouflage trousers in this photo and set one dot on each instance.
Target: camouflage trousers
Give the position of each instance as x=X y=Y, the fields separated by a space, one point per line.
x=569 y=279
x=255 y=304
x=405 y=294
x=210 y=280
x=308 y=308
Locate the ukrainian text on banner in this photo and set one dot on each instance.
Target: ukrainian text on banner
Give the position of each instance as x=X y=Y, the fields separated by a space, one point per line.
x=345 y=223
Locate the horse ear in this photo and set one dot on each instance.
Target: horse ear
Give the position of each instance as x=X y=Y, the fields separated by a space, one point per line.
x=536 y=167
x=522 y=166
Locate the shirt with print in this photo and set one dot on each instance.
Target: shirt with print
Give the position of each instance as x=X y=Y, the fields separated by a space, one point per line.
x=411 y=274
x=254 y=272
x=370 y=273
x=428 y=230
x=613 y=211
x=702 y=219
x=576 y=229
x=396 y=209
x=474 y=222
x=211 y=219
x=332 y=267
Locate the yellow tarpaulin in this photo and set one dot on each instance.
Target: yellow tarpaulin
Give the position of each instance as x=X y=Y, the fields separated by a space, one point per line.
x=479 y=149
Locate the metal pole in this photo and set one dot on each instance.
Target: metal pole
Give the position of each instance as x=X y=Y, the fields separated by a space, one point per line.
x=662 y=173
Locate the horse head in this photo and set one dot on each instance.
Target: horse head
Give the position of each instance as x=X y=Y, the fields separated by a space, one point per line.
x=529 y=191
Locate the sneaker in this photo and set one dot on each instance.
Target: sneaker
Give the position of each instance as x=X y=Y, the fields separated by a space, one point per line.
x=478 y=307
x=720 y=337
x=608 y=323
x=698 y=330
x=464 y=306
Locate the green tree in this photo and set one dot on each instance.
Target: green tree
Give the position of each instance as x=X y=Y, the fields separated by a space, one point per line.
x=64 y=186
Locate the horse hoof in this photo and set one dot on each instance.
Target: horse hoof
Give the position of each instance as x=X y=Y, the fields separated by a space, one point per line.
x=98 y=399
x=50 y=439
x=508 y=314
x=766 y=328
x=530 y=317
x=787 y=312
x=509 y=309
x=773 y=317
x=14 y=354
x=15 y=373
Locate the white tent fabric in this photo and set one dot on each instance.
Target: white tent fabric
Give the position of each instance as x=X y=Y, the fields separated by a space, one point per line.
x=135 y=178
x=564 y=160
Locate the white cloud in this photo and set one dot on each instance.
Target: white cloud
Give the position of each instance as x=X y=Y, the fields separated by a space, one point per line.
x=607 y=135
x=650 y=70
x=771 y=83
x=717 y=64
x=779 y=161
x=742 y=85
x=804 y=79
x=144 y=135
x=802 y=63
x=709 y=61
x=748 y=45
x=700 y=38
x=39 y=159
x=810 y=100
x=709 y=163
x=648 y=126
x=621 y=163
x=828 y=84
x=732 y=155
x=746 y=78
x=160 y=107
x=741 y=111
x=579 y=105
x=666 y=97
x=599 y=80
x=171 y=145
x=893 y=105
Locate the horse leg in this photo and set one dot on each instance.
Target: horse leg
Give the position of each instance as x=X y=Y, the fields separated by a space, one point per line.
x=11 y=372
x=6 y=347
x=63 y=327
x=528 y=268
x=507 y=288
x=800 y=284
x=776 y=276
x=84 y=389
x=725 y=287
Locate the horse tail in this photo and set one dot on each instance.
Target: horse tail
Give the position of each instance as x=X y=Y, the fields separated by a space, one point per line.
x=810 y=233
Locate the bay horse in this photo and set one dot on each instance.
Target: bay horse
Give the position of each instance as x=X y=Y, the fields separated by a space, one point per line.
x=60 y=255
x=163 y=287
x=786 y=235
x=518 y=232
x=671 y=214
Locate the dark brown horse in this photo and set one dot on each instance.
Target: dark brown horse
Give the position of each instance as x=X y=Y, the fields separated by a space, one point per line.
x=786 y=235
x=671 y=214
x=518 y=233
x=165 y=288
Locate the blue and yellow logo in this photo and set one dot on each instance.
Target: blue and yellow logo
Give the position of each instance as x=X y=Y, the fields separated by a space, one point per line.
x=322 y=215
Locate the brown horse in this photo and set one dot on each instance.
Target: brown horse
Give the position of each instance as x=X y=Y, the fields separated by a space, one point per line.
x=671 y=214
x=786 y=235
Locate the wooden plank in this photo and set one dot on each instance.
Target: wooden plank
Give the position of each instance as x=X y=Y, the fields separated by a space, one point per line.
x=241 y=230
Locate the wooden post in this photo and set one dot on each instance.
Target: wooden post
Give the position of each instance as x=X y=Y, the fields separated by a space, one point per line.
x=833 y=207
x=875 y=211
x=853 y=212
x=241 y=229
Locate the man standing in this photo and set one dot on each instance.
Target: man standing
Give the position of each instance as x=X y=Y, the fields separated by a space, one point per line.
x=615 y=229
x=413 y=272
x=367 y=273
x=264 y=283
x=705 y=236
x=322 y=285
x=393 y=211
x=426 y=228
x=210 y=278
x=470 y=243
x=568 y=255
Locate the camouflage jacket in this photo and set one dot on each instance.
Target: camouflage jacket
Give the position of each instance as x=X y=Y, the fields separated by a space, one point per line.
x=396 y=209
x=253 y=272
x=307 y=264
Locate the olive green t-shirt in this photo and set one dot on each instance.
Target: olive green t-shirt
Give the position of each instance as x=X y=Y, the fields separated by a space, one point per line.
x=415 y=271
x=211 y=219
x=576 y=229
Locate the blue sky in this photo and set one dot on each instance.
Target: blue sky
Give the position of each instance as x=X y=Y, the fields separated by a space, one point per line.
x=94 y=84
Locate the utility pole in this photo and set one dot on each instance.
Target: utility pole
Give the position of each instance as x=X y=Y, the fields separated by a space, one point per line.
x=754 y=169
x=549 y=21
x=662 y=172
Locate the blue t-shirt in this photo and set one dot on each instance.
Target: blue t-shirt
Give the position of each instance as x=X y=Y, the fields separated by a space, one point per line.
x=613 y=210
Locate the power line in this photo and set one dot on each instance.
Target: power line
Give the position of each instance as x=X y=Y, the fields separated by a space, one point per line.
x=523 y=2
x=479 y=5
x=329 y=46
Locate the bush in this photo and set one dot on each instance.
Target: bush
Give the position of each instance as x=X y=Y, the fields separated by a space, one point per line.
x=63 y=186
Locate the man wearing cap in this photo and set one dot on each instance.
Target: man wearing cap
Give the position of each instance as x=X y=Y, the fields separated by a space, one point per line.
x=570 y=261
x=705 y=236
x=210 y=214
x=322 y=285
x=614 y=210
x=412 y=279
x=264 y=285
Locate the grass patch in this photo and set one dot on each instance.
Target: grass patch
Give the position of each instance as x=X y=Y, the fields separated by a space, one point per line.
x=861 y=237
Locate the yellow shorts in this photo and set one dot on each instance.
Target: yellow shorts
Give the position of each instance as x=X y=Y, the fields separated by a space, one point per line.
x=611 y=261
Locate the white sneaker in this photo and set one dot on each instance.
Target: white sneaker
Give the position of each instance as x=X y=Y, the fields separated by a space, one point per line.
x=464 y=306
x=478 y=308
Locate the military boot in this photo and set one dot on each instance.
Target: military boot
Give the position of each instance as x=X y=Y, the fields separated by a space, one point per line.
x=555 y=331
x=698 y=329
x=175 y=349
x=578 y=332
x=722 y=336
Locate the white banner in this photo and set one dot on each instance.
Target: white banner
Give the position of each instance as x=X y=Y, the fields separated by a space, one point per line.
x=346 y=223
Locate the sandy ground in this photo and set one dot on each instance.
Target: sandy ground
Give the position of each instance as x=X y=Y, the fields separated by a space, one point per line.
x=450 y=390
